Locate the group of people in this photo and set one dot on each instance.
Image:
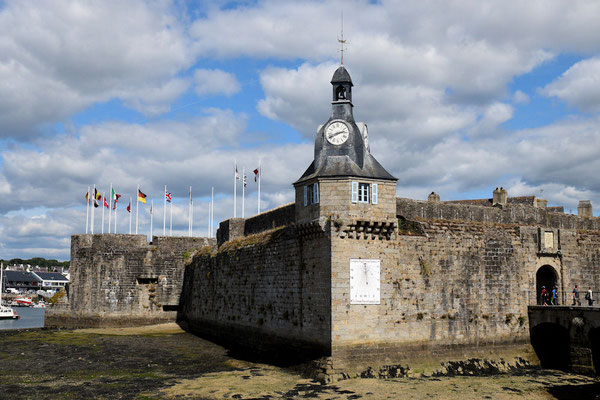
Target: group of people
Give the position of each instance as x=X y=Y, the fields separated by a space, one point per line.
x=589 y=296
x=551 y=297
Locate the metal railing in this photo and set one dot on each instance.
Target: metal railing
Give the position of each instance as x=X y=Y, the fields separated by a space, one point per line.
x=564 y=299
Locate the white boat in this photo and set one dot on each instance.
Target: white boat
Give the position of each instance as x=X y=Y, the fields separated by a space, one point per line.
x=8 y=313
x=5 y=312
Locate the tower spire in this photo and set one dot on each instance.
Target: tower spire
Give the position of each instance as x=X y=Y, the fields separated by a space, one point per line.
x=342 y=41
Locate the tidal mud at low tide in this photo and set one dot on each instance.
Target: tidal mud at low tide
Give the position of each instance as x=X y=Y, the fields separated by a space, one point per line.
x=162 y=362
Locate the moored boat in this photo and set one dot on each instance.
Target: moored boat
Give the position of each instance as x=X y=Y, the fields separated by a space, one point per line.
x=5 y=312
x=23 y=301
x=8 y=313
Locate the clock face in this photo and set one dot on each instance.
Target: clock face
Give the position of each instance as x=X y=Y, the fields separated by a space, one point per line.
x=337 y=133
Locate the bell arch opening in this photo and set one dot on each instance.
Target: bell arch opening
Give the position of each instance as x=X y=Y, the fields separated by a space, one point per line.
x=545 y=278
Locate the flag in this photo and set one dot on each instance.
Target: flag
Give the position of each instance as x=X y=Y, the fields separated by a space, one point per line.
x=129 y=207
x=244 y=180
x=237 y=174
x=141 y=196
x=97 y=194
x=96 y=205
x=117 y=196
x=105 y=202
x=113 y=195
x=255 y=174
x=168 y=196
x=87 y=196
x=150 y=208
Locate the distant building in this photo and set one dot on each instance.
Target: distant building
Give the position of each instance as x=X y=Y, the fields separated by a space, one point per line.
x=21 y=280
x=51 y=280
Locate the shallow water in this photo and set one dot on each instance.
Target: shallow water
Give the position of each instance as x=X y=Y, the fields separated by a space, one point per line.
x=30 y=318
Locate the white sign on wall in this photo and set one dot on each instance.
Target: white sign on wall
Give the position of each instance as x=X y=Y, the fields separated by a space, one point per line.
x=364 y=281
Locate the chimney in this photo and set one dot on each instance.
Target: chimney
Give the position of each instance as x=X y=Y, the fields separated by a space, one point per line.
x=433 y=197
x=584 y=209
x=500 y=197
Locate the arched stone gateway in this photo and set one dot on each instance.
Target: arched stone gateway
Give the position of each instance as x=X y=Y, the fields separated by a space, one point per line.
x=552 y=345
x=546 y=277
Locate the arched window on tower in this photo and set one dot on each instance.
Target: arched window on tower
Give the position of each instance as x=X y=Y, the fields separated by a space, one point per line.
x=340 y=93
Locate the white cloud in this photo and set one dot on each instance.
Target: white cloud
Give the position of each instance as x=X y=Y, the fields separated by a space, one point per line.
x=214 y=81
x=579 y=86
x=520 y=97
x=58 y=57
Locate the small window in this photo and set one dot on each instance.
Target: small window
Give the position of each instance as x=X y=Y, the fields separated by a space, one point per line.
x=363 y=192
x=146 y=280
x=311 y=194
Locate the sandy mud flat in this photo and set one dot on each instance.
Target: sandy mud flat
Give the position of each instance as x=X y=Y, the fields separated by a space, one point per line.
x=163 y=362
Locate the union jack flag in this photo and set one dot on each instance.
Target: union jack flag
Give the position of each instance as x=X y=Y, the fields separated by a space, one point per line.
x=168 y=196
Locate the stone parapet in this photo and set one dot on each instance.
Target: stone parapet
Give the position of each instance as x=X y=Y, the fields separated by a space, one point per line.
x=509 y=214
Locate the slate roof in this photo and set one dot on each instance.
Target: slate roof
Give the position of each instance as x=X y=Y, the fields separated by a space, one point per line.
x=343 y=166
x=51 y=276
x=341 y=75
x=20 y=276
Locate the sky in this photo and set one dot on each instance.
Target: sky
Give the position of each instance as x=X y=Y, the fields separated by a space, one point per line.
x=460 y=97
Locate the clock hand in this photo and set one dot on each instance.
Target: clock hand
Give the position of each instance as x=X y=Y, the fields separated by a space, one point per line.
x=336 y=133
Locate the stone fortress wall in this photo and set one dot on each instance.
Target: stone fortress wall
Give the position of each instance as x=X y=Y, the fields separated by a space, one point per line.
x=452 y=275
x=119 y=279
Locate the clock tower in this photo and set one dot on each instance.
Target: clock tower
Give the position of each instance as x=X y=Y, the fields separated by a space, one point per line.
x=345 y=183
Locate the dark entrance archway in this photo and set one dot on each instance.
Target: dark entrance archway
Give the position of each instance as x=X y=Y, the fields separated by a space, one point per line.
x=546 y=277
x=552 y=345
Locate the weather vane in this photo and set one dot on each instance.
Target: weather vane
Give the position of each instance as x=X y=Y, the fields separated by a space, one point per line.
x=342 y=41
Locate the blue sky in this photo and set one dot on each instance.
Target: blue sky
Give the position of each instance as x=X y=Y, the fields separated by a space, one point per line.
x=460 y=97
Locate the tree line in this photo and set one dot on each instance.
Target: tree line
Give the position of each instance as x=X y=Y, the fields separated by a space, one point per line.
x=39 y=261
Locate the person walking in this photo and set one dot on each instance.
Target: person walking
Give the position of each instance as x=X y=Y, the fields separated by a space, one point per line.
x=576 y=301
x=589 y=296
x=544 y=296
x=554 y=300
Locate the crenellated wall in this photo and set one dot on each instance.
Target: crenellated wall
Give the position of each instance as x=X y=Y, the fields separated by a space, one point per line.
x=262 y=292
x=452 y=276
x=122 y=279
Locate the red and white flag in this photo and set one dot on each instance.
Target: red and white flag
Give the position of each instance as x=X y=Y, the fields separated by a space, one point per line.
x=255 y=174
x=117 y=196
x=105 y=202
x=129 y=207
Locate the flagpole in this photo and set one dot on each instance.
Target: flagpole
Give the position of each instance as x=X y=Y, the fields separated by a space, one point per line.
x=192 y=218
x=165 y=213
x=151 y=216
x=94 y=206
x=235 y=190
x=208 y=227
x=243 y=190
x=190 y=214
x=110 y=206
x=171 y=226
x=212 y=210
x=115 y=228
x=87 y=210
x=130 y=215
x=137 y=206
x=103 y=200
x=259 y=177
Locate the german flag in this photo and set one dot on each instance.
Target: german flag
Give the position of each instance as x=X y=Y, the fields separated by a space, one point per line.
x=141 y=196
